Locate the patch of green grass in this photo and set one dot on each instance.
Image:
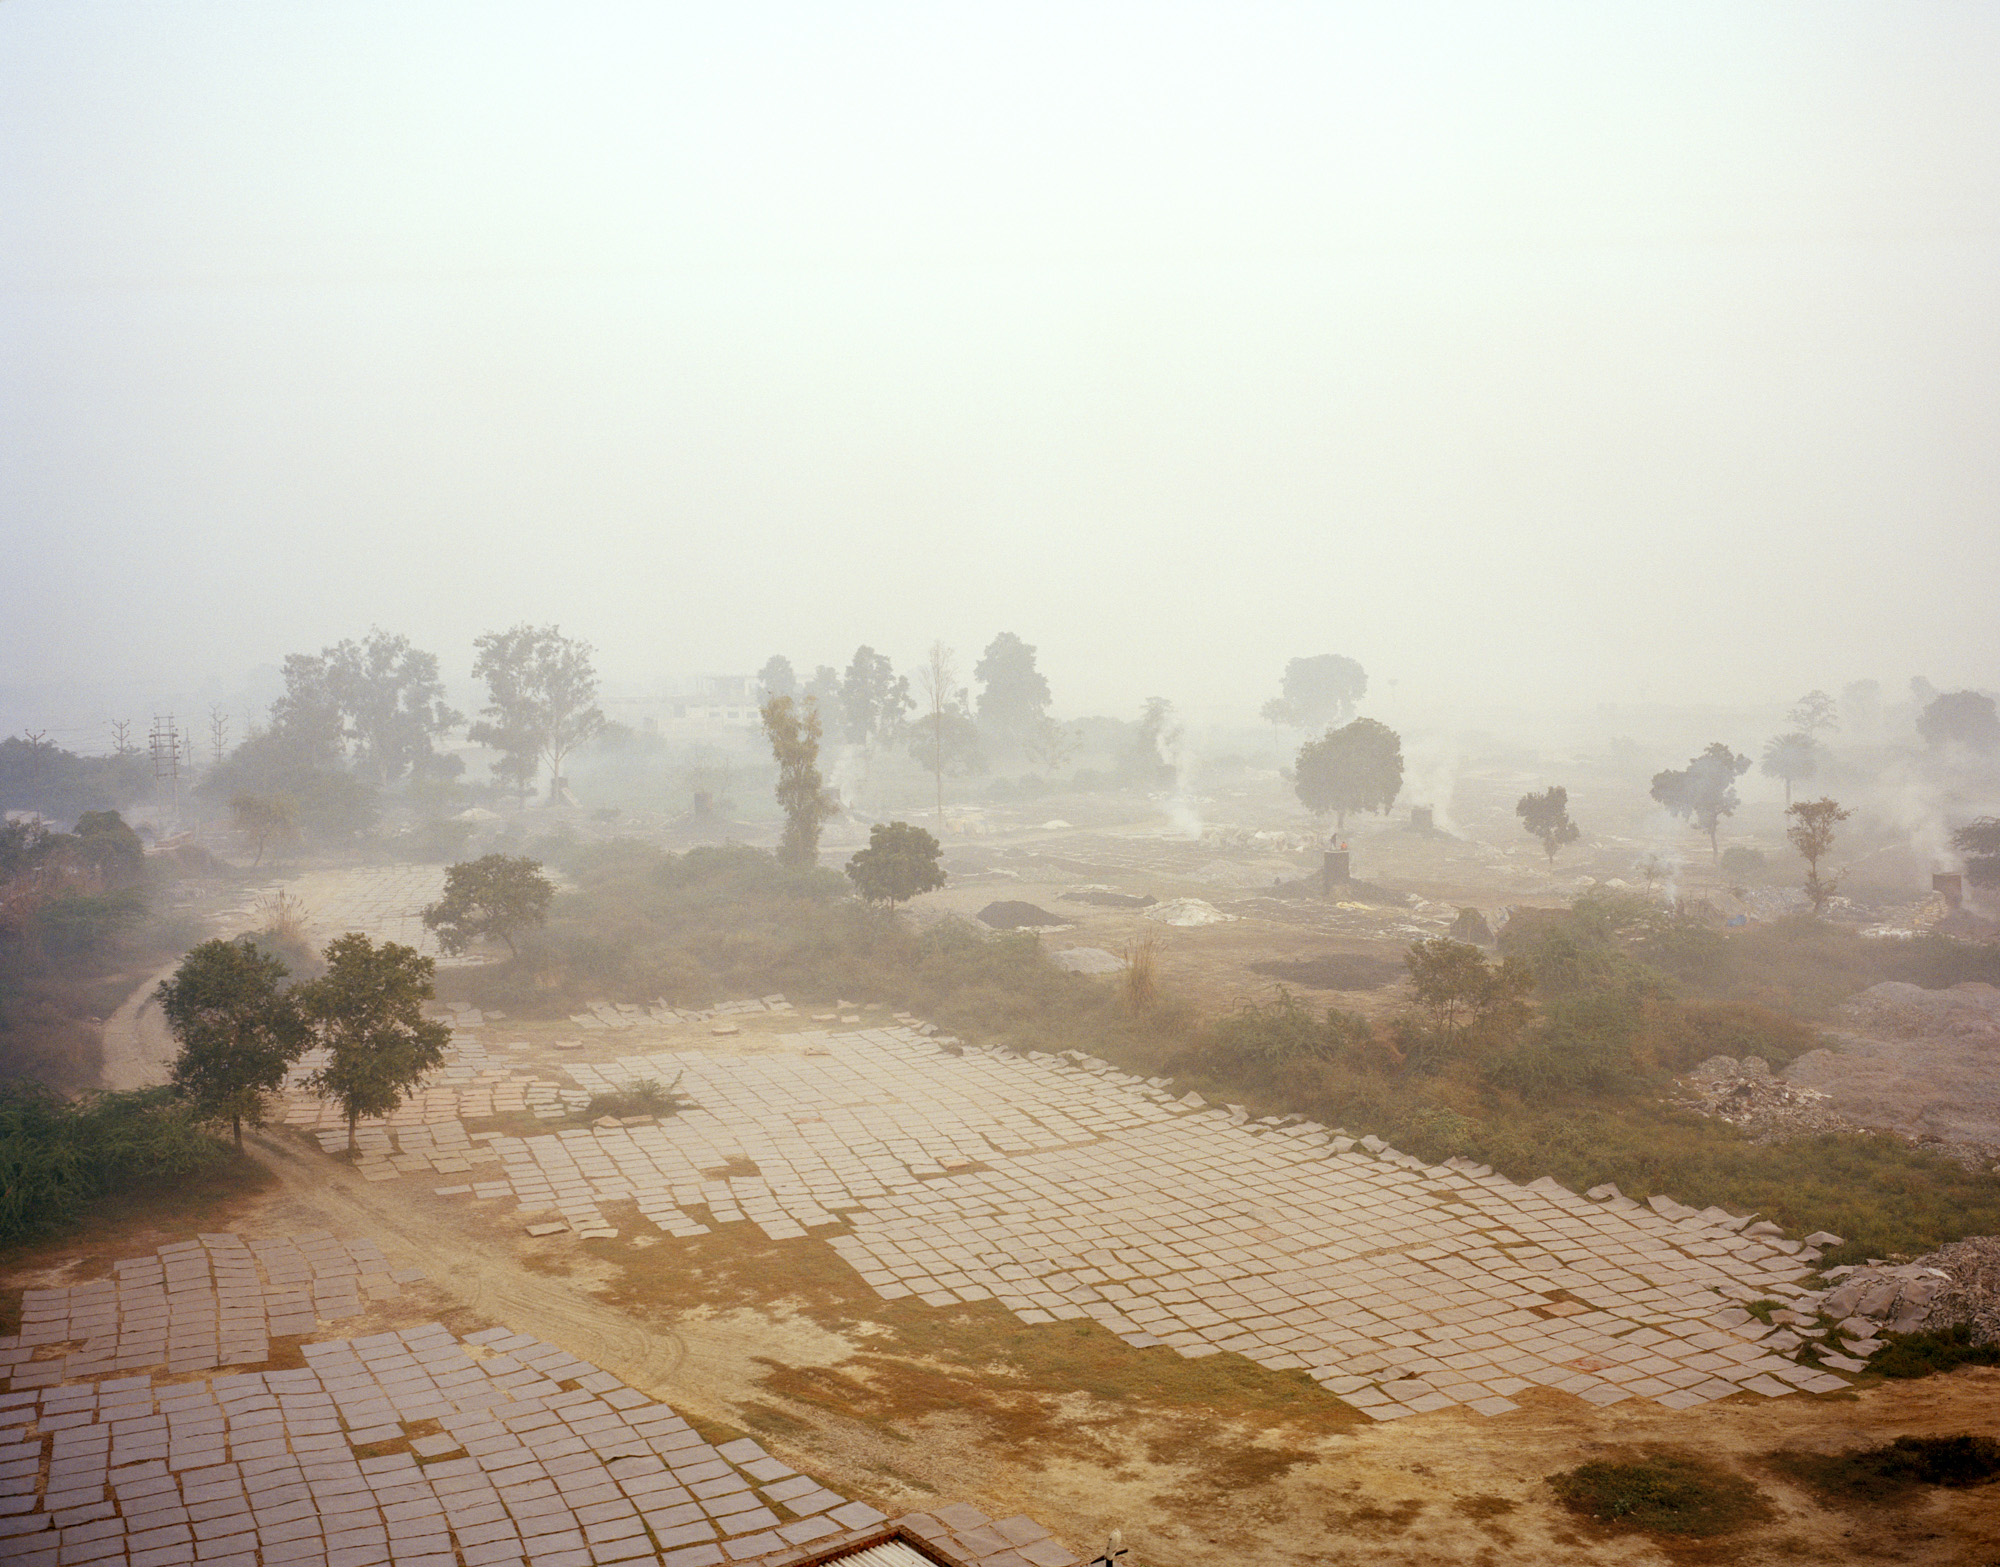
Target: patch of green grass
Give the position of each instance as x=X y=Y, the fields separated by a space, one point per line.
x=1873 y=1476
x=1663 y=1491
x=1926 y=1354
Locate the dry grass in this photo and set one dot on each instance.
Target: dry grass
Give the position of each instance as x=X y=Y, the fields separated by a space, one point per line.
x=1030 y=1393
x=1139 y=985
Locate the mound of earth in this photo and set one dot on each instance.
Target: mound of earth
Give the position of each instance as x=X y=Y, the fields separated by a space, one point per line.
x=1915 y=1061
x=1336 y=971
x=1105 y=898
x=1014 y=915
x=1187 y=911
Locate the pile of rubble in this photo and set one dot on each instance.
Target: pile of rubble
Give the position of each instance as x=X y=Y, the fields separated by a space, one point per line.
x=1746 y=1095
x=1957 y=1283
x=1962 y=1284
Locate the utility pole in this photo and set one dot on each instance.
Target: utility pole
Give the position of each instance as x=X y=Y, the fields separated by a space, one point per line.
x=218 y=730
x=121 y=736
x=36 y=746
x=167 y=749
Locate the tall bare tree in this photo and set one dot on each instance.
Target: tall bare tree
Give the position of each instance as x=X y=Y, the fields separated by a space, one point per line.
x=937 y=680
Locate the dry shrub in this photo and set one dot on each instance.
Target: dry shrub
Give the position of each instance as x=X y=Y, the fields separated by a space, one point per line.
x=284 y=928
x=1139 y=985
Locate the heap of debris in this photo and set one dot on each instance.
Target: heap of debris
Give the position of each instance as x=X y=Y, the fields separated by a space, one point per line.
x=1746 y=1095
x=1962 y=1285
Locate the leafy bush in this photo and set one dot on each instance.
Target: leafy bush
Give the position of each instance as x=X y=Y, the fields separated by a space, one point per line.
x=1661 y=1490
x=1926 y=1354
x=78 y=923
x=1742 y=863
x=56 y=1155
x=1874 y=1475
x=647 y=1096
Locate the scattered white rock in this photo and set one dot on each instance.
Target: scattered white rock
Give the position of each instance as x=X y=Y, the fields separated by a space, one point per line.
x=1187 y=912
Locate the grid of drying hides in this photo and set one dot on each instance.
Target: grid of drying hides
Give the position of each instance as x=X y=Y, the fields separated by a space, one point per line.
x=1065 y=1190
x=414 y=1448
x=194 y=1305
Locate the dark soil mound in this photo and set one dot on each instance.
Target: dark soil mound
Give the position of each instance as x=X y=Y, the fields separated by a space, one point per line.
x=1336 y=971
x=1013 y=916
x=1105 y=898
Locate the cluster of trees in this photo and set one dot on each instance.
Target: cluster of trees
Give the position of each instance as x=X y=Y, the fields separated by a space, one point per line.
x=360 y=717
x=61 y=893
x=38 y=775
x=944 y=726
x=241 y=1029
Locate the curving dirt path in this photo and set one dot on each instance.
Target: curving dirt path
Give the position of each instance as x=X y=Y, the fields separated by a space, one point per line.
x=483 y=1277
x=137 y=1046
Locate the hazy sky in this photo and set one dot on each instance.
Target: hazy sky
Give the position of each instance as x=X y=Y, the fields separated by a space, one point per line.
x=1558 y=350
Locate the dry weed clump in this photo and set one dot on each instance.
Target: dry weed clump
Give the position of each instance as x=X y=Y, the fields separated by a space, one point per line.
x=1139 y=985
x=284 y=927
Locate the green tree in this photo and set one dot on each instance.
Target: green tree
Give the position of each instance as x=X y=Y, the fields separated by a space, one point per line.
x=1815 y=711
x=111 y=849
x=1146 y=762
x=239 y=1030
x=945 y=739
x=1013 y=694
x=494 y=895
x=259 y=817
x=1357 y=767
x=1704 y=791
x=1051 y=745
x=1318 y=691
x=1546 y=816
x=802 y=792
x=1811 y=833
x=900 y=862
x=380 y=693
x=1979 y=842
x=777 y=678
x=873 y=699
x=367 y=1011
x=1962 y=717
x=542 y=700
x=1793 y=757
x=1460 y=992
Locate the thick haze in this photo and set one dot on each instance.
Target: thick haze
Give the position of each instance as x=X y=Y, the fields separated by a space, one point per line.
x=1557 y=354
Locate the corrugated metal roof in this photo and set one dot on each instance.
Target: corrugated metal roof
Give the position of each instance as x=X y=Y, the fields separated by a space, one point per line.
x=891 y=1553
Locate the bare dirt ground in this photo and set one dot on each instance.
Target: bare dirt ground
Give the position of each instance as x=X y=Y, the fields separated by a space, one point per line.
x=1919 y=1062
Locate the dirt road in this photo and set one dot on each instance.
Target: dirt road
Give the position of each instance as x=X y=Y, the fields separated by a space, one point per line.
x=321 y=1193
x=137 y=1046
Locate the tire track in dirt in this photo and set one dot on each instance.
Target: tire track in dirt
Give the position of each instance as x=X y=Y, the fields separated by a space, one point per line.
x=484 y=1278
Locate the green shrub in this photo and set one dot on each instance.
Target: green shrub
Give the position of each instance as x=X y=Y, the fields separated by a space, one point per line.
x=1742 y=863
x=1926 y=1354
x=1661 y=1490
x=647 y=1096
x=56 y=1155
x=1875 y=1475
